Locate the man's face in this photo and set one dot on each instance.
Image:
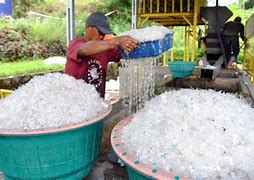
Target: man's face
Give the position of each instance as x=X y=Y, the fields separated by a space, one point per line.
x=92 y=33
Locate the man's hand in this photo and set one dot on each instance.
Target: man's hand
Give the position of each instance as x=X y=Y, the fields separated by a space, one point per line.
x=126 y=42
x=97 y=46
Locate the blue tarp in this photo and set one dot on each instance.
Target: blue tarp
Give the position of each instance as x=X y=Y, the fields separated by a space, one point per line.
x=5 y=7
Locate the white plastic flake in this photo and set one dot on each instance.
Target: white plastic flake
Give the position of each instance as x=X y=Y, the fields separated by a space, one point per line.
x=52 y=100
x=201 y=134
x=149 y=33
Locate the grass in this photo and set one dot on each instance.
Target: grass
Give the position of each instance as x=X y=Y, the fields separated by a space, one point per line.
x=48 y=30
x=25 y=67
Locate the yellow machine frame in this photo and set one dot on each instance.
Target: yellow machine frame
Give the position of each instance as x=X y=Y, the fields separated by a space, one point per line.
x=185 y=13
x=4 y=93
x=248 y=58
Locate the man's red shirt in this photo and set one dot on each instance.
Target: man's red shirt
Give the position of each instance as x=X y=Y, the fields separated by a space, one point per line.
x=91 y=69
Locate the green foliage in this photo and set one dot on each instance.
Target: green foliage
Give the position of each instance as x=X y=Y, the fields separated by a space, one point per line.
x=5 y=23
x=110 y=5
x=22 y=67
x=178 y=38
x=249 y=4
x=50 y=7
x=16 y=45
x=112 y=72
x=121 y=20
x=52 y=31
x=48 y=30
x=237 y=11
x=22 y=6
x=80 y=24
x=120 y=24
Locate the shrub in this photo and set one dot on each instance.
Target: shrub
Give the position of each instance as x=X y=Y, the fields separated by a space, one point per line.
x=18 y=45
x=112 y=72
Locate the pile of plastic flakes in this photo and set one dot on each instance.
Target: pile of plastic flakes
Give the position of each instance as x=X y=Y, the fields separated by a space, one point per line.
x=149 y=33
x=52 y=100
x=202 y=134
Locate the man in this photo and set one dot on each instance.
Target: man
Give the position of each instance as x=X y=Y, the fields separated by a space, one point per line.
x=88 y=56
x=231 y=33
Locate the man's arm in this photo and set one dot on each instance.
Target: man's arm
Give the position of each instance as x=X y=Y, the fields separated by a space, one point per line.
x=97 y=46
x=242 y=32
x=225 y=27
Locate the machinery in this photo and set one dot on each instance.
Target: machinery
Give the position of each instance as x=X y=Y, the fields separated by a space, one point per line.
x=191 y=14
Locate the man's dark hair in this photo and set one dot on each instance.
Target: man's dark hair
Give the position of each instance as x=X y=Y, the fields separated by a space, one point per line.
x=238 y=19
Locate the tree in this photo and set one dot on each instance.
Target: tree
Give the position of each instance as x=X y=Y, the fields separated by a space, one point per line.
x=249 y=4
x=22 y=6
x=241 y=3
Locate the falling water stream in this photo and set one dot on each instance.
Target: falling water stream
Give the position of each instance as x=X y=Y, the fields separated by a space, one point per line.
x=137 y=75
x=137 y=82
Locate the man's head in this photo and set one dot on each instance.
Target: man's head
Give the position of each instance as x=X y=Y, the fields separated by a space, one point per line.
x=238 y=19
x=97 y=26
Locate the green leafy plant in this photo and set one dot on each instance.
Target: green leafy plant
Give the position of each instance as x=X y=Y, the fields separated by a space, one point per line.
x=26 y=66
x=17 y=45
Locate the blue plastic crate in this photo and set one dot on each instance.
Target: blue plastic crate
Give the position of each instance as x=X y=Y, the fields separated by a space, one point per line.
x=149 y=48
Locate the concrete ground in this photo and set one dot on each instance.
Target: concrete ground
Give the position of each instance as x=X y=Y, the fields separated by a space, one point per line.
x=103 y=169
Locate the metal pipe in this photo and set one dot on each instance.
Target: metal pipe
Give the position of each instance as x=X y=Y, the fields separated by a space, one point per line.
x=165 y=14
x=109 y=13
x=134 y=14
x=151 y=6
x=194 y=36
x=142 y=22
x=70 y=17
x=181 y=5
x=172 y=54
x=187 y=20
x=144 y=6
x=165 y=6
x=188 y=6
x=173 y=6
x=188 y=44
x=219 y=34
x=165 y=59
x=158 y=6
x=185 y=43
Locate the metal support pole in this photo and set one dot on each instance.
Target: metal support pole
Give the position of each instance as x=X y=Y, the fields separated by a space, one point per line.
x=194 y=29
x=188 y=44
x=172 y=54
x=165 y=59
x=225 y=60
x=70 y=9
x=134 y=14
x=185 y=44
